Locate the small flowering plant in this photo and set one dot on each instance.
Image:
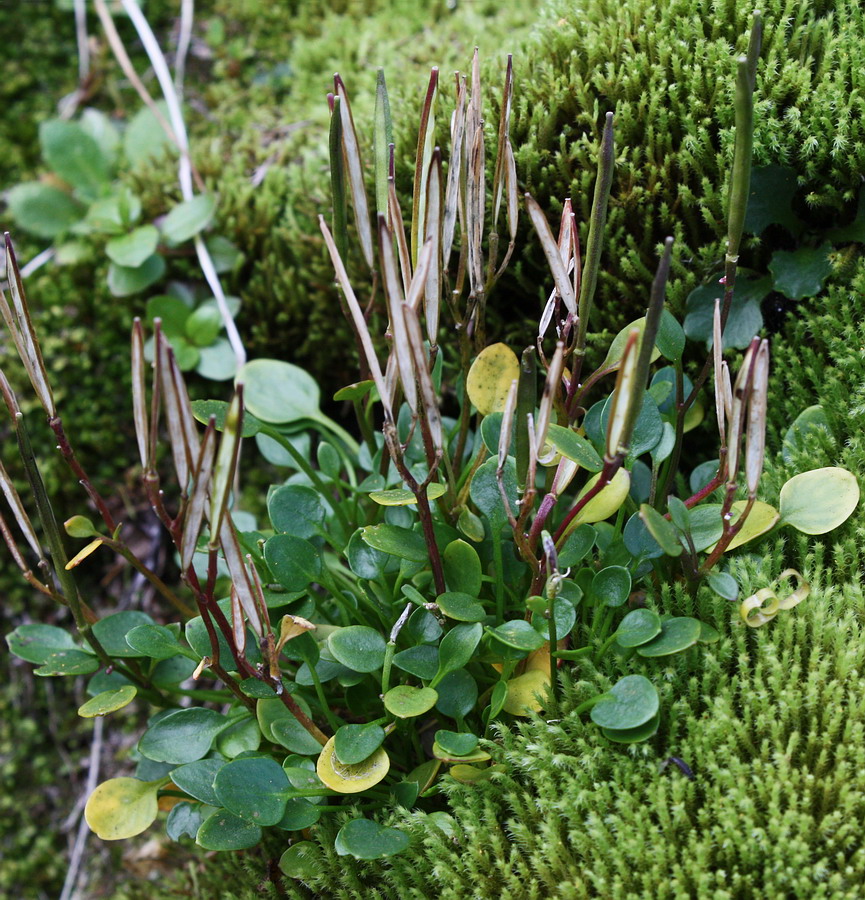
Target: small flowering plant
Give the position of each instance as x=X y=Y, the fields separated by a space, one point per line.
x=502 y=516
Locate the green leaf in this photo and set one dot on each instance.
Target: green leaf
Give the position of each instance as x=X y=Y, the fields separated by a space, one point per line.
x=254 y=789
x=633 y=735
x=301 y=861
x=461 y=607
x=225 y=255
x=278 y=392
x=80 y=527
x=363 y=560
x=196 y=779
x=121 y=808
x=296 y=509
x=404 y=497
x=456 y=649
x=68 y=662
x=396 y=541
x=108 y=702
x=724 y=585
x=358 y=647
x=103 y=131
x=662 y=531
x=486 y=495
x=75 y=156
x=574 y=447
x=407 y=702
x=421 y=661
x=182 y=736
x=204 y=409
x=185 y=819
x=677 y=634
x=114 y=214
x=225 y=831
x=462 y=569
x=745 y=319
x=617 y=347
x=519 y=634
x=299 y=814
x=770 y=199
x=706 y=525
x=365 y=839
x=173 y=312
x=801 y=273
x=42 y=210
x=133 y=249
x=638 y=539
x=294 y=562
x=809 y=421
x=355 y=743
x=457 y=743
x=112 y=630
x=280 y=726
x=218 y=363
x=36 y=643
x=189 y=218
x=240 y=737
x=611 y=586
x=576 y=546
x=203 y=325
x=566 y=617
x=155 y=641
x=818 y=501
x=144 y=138
x=458 y=694
x=670 y=339
x=124 y=281
x=638 y=627
x=631 y=702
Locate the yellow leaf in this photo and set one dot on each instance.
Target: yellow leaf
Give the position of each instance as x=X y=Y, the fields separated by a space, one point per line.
x=606 y=502
x=83 y=554
x=490 y=376
x=351 y=779
x=121 y=808
x=107 y=701
x=761 y=519
x=523 y=690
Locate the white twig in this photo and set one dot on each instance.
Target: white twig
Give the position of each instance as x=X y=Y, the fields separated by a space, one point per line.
x=83 y=830
x=82 y=39
x=187 y=11
x=163 y=76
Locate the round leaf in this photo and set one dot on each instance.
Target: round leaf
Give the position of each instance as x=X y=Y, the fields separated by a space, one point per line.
x=677 y=634
x=112 y=630
x=42 y=210
x=818 y=501
x=36 y=643
x=761 y=519
x=155 y=641
x=526 y=693
x=808 y=421
x=365 y=839
x=134 y=248
x=462 y=568
x=633 y=735
x=196 y=779
x=486 y=495
x=358 y=647
x=301 y=861
x=458 y=693
x=638 y=627
x=125 y=280
x=295 y=563
x=407 y=702
x=519 y=634
x=456 y=649
x=121 y=808
x=490 y=376
x=189 y=218
x=107 y=702
x=351 y=779
x=68 y=662
x=456 y=743
x=278 y=392
x=183 y=736
x=404 y=497
x=421 y=661
x=611 y=586
x=253 y=788
x=800 y=273
x=225 y=831
x=296 y=509
x=460 y=606
x=632 y=701
x=355 y=743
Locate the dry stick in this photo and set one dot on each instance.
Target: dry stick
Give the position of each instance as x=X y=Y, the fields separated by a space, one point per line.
x=187 y=9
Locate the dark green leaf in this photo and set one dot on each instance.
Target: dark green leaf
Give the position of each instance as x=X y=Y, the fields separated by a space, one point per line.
x=770 y=199
x=358 y=647
x=461 y=607
x=456 y=649
x=677 y=634
x=458 y=693
x=662 y=531
x=75 y=156
x=396 y=541
x=354 y=743
x=638 y=627
x=365 y=839
x=611 y=586
x=224 y=831
x=124 y=281
x=42 y=210
x=631 y=702
x=254 y=789
x=745 y=319
x=801 y=273
x=182 y=736
x=462 y=569
x=196 y=779
x=296 y=509
x=112 y=630
x=294 y=562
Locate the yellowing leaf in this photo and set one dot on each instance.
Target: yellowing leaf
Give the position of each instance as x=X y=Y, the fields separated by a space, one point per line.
x=121 y=808
x=490 y=376
x=351 y=779
x=694 y=416
x=606 y=502
x=818 y=501
x=83 y=554
x=404 y=497
x=761 y=519
x=107 y=701
x=522 y=692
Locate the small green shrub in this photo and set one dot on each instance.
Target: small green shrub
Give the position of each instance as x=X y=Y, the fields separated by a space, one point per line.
x=471 y=605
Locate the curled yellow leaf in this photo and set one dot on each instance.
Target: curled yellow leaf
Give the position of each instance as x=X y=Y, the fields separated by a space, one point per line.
x=762 y=607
